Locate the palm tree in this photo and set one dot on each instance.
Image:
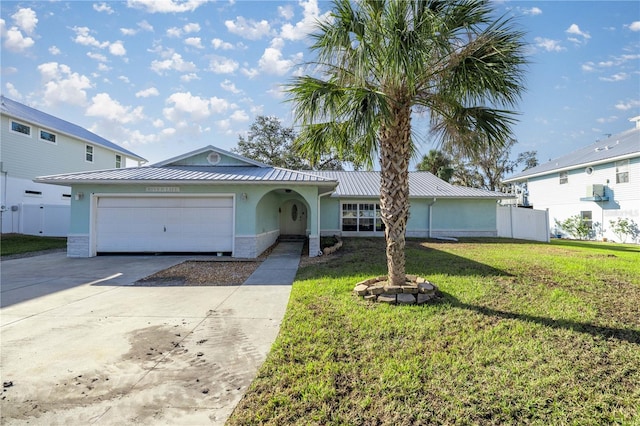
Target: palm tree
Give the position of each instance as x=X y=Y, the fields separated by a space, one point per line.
x=381 y=61
x=437 y=163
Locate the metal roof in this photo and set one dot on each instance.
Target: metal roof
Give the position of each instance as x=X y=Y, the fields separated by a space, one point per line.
x=188 y=174
x=421 y=185
x=22 y=112
x=616 y=147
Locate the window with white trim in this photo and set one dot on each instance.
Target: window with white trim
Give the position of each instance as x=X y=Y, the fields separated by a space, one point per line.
x=361 y=217
x=20 y=128
x=622 y=171
x=88 y=154
x=118 y=161
x=47 y=136
x=587 y=217
x=564 y=178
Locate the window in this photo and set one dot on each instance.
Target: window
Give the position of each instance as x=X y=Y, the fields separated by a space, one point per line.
x=88 y=156
x=587 y=217
x=118 y=161
x=622 y=171
x=20 y=128
x=47 y=136
x=564 y=178
x=31 y=193
x=364 y=217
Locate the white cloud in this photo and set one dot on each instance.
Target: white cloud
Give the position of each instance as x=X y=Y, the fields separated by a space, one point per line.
x=229 y=86
x=54 y=50
x=634 y=26
x=222 y=65
x=166 y=6
x=194 y=42
x=158 y=123
x=103 y=7
x=97 y=56
x=14 y=40
x=625 y=106
x=219 y=105
x=575 y=30
x=26 y=20
x=124 y=79
x=128 y=31
x=174 y=63
x=102 y=67
x=548 y=44
x=250 y=72
x=174 y=32
x=219 y=44
x=534 y=11
x=189 y=77
x=310 y=16
x=272 y=62
x=192 y=27
x=63 y=86
x=621 y=76
x=84 y=38
x=185 y=105
x=13 y=92
x=145 y=26
x=248 y=28
x=609 y=119
x=117 y=49
x=103 y=106
x=151 y=91
x=588 y=67
x=286 y=11
x=239 y=115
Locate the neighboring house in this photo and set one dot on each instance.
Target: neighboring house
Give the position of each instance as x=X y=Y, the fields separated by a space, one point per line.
x=34 y=144
x=212 y=200
x=600 y=182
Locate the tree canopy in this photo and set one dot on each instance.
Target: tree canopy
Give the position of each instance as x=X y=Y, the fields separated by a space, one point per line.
x=269 y=142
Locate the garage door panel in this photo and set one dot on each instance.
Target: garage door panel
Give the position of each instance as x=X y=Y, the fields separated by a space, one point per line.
x=169 y=224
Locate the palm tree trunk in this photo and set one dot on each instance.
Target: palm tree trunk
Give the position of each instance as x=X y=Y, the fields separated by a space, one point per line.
x=395 y=152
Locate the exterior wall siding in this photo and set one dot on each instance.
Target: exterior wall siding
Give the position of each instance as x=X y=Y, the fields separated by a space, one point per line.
x=563 y=201
x=29 y=156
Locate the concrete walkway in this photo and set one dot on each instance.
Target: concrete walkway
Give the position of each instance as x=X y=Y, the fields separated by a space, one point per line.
x=280 y=267
x=81 y=345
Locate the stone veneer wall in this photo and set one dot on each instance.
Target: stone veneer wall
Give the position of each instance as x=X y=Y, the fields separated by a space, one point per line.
x=78 y=245
x=266 y=240
x=314 y=246
x=245 y=246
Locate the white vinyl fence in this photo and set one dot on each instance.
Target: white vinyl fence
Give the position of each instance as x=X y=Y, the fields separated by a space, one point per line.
x=47 y=220
x=525 y=224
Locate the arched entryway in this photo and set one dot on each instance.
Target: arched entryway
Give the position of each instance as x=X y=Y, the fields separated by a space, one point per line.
x=293 y=218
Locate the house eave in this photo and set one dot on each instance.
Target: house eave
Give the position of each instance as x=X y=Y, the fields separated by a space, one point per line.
x=70 y=182
x=572 y=167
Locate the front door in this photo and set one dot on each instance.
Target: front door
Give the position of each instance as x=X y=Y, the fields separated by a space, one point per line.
x=293 y=218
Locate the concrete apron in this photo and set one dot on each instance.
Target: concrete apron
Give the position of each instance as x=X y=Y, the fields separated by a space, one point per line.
x=94 y=350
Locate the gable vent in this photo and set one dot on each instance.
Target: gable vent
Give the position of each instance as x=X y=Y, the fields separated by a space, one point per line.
x=213 y=158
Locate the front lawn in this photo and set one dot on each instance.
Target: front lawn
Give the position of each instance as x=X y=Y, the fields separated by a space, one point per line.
x=18 y=244
x=524 y=333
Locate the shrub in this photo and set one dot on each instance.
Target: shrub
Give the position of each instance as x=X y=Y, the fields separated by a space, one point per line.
x=575 y=226
x=624 y=228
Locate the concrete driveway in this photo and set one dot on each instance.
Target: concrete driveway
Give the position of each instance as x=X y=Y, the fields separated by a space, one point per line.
x=80 y=345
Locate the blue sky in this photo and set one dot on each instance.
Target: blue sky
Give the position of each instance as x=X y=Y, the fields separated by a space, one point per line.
x=164 y=77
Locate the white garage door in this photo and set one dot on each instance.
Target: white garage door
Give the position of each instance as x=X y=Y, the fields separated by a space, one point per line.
x=164 y=224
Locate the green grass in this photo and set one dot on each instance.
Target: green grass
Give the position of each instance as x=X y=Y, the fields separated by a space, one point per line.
x=19 y=244
x=524 y=333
